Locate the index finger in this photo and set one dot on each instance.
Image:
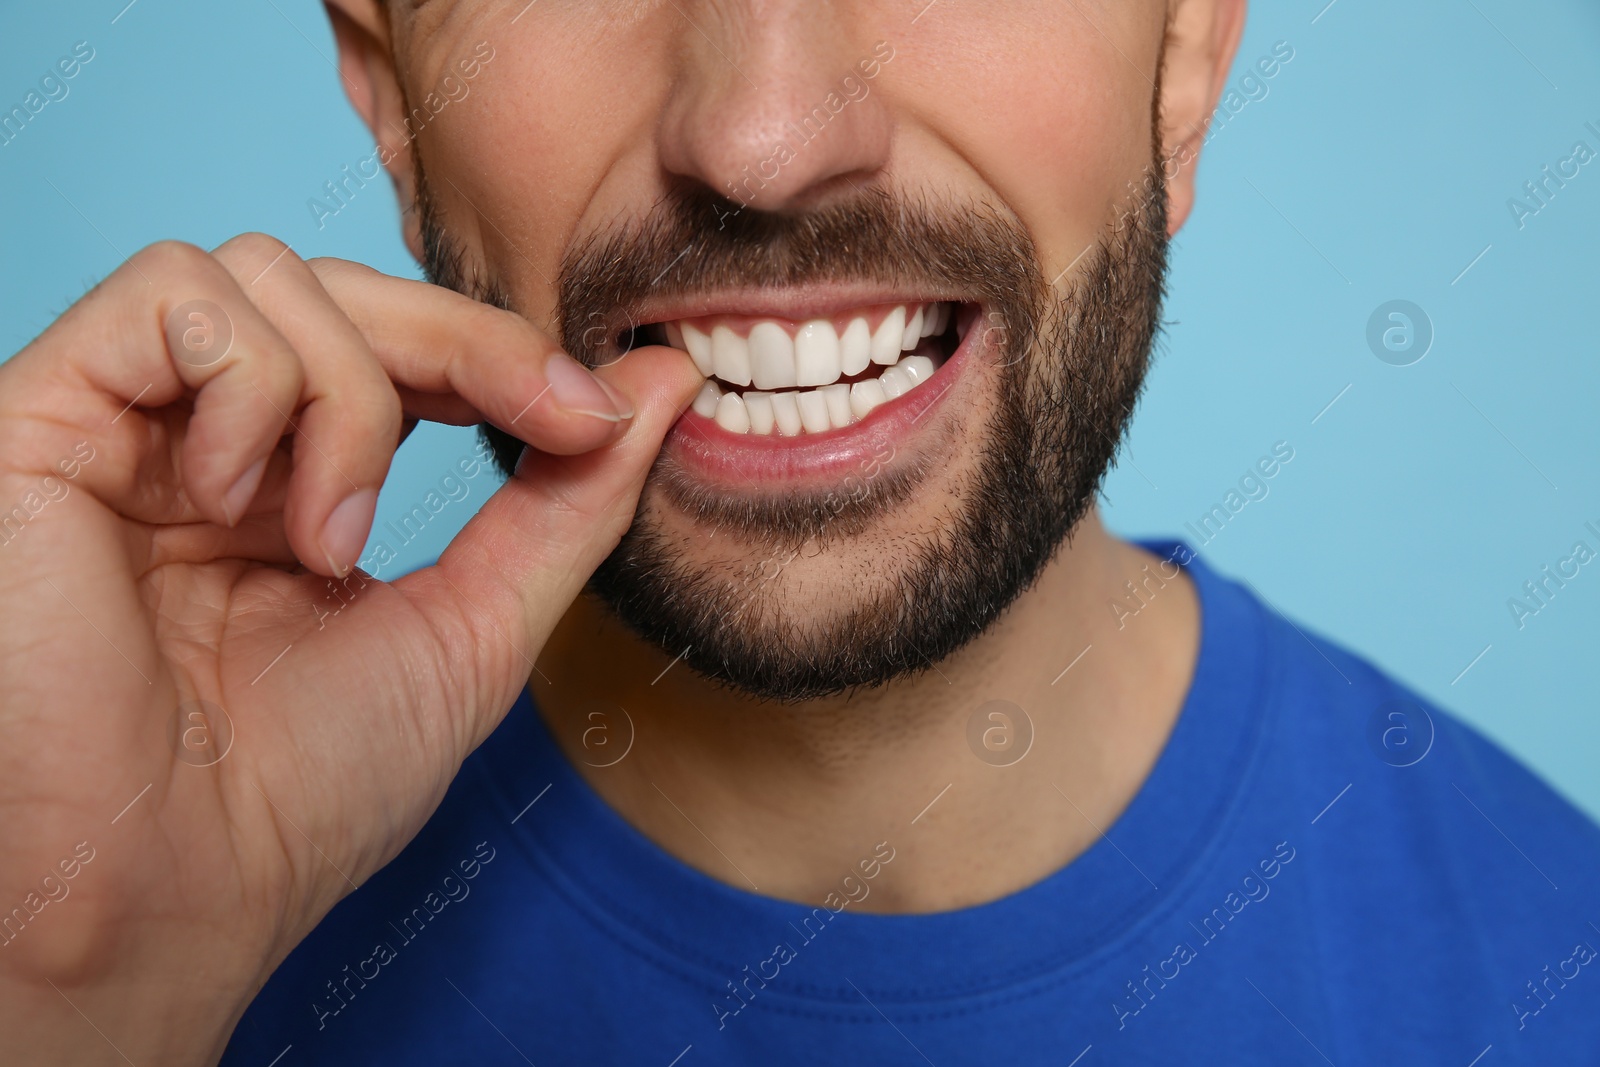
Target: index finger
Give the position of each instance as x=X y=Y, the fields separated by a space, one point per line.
x=479 y=362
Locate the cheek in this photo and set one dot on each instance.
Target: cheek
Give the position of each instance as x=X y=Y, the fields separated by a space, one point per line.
x=552 y=122
x=503 y=187
x=1052 y=115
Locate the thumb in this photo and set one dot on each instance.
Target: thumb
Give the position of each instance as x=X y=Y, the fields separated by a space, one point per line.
x=516 y=567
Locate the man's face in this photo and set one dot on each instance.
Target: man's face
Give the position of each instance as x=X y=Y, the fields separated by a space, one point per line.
x=785 y=191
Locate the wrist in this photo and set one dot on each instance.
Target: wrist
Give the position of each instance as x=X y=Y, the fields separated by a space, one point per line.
x=179 y=1019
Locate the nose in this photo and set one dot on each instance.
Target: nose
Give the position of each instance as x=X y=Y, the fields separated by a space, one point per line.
x=775 y=105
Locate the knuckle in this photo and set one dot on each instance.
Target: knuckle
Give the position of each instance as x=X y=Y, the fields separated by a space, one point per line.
x=377 y=408
x=478 y=316
x=255 y=243
x=175 y=260
x=255 y=246
x=567 y=507
x=324 y=266
x=282 y=372
x=293 y=369
x=343 y=280
x=486 y=324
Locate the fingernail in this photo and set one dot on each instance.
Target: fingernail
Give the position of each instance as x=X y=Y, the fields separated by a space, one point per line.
x=345 y=532
x=237 y=499
x=575 y=389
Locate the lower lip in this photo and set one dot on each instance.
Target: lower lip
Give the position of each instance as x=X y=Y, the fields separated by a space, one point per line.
x=740 y=460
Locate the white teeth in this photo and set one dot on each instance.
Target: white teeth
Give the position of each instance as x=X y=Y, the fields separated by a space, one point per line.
x=816 y=353
x=771 y=357
x=705 y=404
x=786 y=413
x=855 y=347
x=837 y=397
x=886 y=341
x=731 y=415
x=919 y=367
x=913 y=333
x=759 y=407
x=896 y=381
x=813 y=411
x=730 y=356
x=864 y=396
x=699 y=346
x=813 y=360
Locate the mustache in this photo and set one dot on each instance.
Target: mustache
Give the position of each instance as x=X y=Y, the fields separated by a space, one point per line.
x=695 y=241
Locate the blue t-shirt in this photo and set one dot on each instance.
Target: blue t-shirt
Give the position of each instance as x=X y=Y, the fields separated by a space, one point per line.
x=1322 y=868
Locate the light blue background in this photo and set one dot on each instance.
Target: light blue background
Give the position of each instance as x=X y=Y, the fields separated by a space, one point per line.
x=1377 y=167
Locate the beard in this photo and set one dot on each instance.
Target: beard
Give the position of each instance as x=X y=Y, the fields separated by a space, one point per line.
x=1068 y=367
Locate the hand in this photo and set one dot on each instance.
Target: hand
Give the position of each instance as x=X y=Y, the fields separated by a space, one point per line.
x=173 y=508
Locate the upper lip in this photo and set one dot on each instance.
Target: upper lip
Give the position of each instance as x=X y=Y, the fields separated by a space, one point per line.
x=794 y=303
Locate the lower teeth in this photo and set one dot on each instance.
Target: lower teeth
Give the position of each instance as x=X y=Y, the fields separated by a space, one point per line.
x=829 y=407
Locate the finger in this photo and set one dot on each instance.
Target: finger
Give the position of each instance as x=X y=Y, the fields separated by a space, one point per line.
x=348 y=423
x=501 y=585
x=169 y=321
x=435 y=343
x=155 y=546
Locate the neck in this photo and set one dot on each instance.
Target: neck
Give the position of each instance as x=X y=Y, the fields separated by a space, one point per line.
x=788 y=800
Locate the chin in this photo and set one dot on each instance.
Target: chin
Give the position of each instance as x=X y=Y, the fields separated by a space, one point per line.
x=824 y=477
